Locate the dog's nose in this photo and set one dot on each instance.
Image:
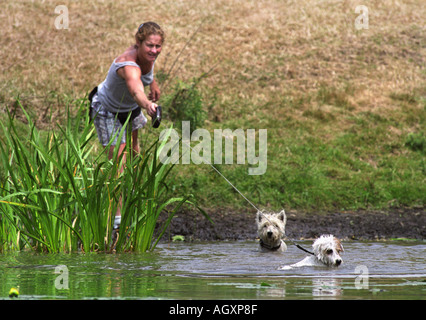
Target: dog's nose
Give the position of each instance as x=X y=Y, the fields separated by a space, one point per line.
x=269 y=233
x=338 y=262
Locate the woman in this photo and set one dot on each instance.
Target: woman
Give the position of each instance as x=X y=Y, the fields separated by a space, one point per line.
x=122 y=93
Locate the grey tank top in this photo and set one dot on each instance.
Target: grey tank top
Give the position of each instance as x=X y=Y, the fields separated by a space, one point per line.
x=113 y=92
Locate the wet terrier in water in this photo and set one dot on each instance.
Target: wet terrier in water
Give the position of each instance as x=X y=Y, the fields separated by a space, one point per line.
x=327 y=250
x=271 y=230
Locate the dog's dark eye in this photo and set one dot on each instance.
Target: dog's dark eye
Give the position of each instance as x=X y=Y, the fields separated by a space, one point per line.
x=329 y=251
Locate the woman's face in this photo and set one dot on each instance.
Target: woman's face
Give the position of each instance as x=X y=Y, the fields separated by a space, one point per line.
x=150 y=48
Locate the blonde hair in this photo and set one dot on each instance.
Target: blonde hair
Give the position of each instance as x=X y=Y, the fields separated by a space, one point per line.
x=147 y=29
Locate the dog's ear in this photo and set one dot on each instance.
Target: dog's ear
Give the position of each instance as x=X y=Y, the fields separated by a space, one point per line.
x=338 y=244
x=282 y=216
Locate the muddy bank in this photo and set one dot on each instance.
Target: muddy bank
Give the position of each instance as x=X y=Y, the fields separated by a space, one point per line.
x=357 y=225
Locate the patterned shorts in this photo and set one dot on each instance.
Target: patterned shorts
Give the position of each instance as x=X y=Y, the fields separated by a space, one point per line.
x=108 y=126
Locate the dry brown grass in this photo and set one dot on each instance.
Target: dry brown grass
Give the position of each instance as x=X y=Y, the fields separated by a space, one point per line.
x=266 y=50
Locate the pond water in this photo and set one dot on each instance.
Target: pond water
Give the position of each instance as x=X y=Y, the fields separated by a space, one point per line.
x=218 y=270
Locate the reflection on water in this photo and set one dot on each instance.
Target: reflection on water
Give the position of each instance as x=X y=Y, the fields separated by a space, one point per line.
x=219 y=270
x=326 y=287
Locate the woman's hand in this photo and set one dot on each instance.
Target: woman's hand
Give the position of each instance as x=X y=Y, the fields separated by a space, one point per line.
x=151 y=109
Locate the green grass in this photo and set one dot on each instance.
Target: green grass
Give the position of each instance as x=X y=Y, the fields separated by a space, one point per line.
x=324 y=159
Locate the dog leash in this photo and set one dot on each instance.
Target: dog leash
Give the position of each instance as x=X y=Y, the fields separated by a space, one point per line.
x=251 y=203
x=300 y=247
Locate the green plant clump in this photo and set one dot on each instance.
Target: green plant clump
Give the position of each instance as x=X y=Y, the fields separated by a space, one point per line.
x=185 y=103
x=57 y=196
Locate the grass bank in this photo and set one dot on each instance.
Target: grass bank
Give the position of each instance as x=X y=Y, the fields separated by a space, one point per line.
x=344 y=108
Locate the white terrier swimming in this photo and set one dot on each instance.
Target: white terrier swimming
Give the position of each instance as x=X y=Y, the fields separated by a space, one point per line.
x=271 y=230
x=327 y=250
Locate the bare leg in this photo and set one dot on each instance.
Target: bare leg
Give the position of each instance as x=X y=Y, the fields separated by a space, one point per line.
x=121 y=151
x=135 y=143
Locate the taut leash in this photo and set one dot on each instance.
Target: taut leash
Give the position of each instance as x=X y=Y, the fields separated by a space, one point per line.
x=251 y=203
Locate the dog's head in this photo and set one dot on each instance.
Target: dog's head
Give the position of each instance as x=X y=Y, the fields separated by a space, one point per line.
x=271 y=226
x=327 y=249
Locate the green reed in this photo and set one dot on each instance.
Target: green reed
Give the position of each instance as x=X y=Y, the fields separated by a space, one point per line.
x=57 y=195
